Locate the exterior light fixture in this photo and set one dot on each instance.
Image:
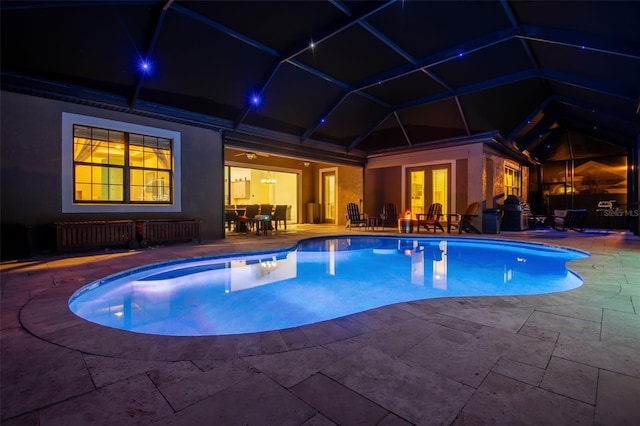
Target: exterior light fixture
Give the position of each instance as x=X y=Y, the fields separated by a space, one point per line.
x=144 y=66
x=255 y=100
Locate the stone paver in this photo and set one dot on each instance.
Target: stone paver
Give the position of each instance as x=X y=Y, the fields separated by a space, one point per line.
x=504 y=401
x=561 y=358
x=339 y=403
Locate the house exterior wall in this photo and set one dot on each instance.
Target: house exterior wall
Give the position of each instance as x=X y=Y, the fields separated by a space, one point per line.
x=381 y=187
x=493 y=178
x=31 y=167
x=466 y=168
x=350 y=183
x=477 y=176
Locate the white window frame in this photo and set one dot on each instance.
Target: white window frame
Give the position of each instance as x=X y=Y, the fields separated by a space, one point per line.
x=68 y=206
x=517 y=179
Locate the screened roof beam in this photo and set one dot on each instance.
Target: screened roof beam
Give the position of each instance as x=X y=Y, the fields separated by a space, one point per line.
x=601 y=112
x=363 y=135
x=438 y=58
x=487 y=84
x=578 y=41
x=539 y=132
x=152 y=45
x=247 y=108
x=289 y=58
x=388 y=42
x=462 y=116
x=516 y=25
x=607 y=88
x=318 y=122
x=516 y=130
x=228 y=31
x=404 y=131
x=437 y=79
x=322 y=37
x=432 y=60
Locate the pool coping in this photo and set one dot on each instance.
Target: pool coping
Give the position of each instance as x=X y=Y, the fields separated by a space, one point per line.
x=47 y=316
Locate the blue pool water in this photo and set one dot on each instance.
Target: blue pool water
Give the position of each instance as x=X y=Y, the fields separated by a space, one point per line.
x=318 y=280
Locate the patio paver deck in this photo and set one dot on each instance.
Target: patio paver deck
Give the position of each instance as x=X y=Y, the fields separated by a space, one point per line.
x=571 y=357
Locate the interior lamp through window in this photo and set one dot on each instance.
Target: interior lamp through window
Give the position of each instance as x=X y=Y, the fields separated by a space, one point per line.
x=268 y=179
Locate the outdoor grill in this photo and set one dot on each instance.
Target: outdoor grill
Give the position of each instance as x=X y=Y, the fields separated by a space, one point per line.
x=514 y=217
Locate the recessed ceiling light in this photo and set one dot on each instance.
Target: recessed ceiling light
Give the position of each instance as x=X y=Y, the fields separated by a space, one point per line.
x=144 y=66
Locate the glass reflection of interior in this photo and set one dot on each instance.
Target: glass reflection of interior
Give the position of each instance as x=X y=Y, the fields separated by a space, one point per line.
x=245 y=186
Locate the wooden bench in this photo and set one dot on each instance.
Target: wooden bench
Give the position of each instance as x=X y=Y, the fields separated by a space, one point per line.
x=167 y=230
x=116 y=233
x=569 y=219
x=94 y=234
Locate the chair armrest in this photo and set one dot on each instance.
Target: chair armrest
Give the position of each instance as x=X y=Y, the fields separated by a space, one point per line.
x=560 y=213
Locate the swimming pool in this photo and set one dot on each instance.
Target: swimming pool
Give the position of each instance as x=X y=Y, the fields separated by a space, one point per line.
x=319 y=279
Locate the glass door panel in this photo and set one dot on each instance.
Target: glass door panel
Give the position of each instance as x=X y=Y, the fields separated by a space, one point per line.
x=427 y=185
x=440 y=188
x=417 y=192
x=329 y=196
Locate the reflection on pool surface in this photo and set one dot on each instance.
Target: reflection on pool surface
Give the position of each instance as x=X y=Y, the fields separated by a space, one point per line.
x=321 y=279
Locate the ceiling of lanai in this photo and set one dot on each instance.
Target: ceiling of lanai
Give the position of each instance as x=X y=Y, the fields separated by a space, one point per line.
x=343 y=79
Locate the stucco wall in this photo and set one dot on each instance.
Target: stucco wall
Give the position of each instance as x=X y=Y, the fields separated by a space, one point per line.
x=31 y=166
x=382 y=186
x=350 y=189
x=493 y=178
x=466 y=167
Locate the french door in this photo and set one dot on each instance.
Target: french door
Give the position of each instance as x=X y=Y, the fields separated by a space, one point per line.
x=427 y=185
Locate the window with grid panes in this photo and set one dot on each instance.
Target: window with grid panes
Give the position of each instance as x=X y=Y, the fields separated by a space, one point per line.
x=511 y=181
x=112 y=166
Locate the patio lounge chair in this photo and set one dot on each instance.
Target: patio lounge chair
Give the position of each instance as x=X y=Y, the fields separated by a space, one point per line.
x=431 y=218
x=463 y=222
x=354 y=217
x=569 y=219
x=389 y=215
